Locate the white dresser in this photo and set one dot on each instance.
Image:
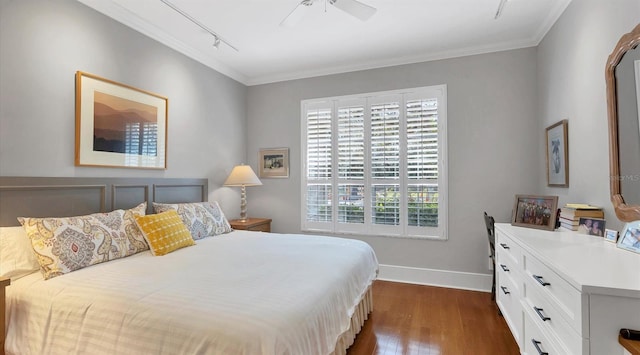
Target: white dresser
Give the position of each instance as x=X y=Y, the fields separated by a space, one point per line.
x=565 y=293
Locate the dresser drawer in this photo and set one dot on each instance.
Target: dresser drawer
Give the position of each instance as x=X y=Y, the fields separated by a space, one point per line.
x=507 y=251
x=556 y=290
x=536 y=341
x=548 y=317
x=508 y=294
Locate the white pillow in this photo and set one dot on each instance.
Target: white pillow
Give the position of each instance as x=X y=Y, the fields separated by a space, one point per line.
x=17 y=258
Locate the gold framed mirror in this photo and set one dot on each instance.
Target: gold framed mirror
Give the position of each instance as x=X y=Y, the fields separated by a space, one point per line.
x=624 y=178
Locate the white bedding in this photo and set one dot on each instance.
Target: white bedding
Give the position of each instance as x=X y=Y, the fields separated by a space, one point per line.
x=240 y=293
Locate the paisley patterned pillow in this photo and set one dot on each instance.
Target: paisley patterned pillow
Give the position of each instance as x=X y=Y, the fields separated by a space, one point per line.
x=66 y=244
x=203 y=219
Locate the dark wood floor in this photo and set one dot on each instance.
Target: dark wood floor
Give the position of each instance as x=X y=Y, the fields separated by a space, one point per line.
x=426 y=320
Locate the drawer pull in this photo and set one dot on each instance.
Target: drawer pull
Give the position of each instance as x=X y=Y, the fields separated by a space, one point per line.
x=505 y=290
x=504 y=267
x=539 y=312
x=536 y=344
x=504 y=246
x=541 y=281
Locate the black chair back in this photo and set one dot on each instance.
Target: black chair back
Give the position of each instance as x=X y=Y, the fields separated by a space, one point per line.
x=491 y=233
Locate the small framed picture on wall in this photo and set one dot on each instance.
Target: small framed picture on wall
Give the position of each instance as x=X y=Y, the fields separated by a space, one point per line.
x=274 y=163
x=558 y=154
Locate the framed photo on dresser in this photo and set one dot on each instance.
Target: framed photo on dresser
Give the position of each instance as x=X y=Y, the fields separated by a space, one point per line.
x=533 y=211
x=611 y=235
x=630 y=237
x=592 y=226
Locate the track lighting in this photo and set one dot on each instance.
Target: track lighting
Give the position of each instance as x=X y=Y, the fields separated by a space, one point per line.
x=500 y=8
x=216 y=37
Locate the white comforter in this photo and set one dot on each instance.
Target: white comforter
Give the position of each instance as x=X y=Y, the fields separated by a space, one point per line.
x=241 y=293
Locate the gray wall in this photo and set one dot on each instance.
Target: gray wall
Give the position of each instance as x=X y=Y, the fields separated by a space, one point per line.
x=43 y=44
x=493 y=147
x=571 y=62
x=498 y=107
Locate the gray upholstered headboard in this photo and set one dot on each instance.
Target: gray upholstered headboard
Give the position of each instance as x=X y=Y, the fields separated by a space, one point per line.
x=72 y=196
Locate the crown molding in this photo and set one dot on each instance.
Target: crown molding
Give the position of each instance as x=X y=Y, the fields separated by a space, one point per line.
x=115 y=11
x=129 y=19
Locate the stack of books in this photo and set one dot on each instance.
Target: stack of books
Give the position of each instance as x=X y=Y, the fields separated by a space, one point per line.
x=571 y=213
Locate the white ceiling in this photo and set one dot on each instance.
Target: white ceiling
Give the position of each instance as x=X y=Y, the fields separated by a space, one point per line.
x=331 y=41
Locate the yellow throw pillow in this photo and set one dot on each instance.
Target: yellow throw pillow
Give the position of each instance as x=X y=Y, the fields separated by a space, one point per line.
x=165 y=232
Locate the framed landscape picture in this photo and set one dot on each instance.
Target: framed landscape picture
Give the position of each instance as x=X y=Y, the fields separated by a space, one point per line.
x=534 y=211
x=274 y=163
x=118 y=125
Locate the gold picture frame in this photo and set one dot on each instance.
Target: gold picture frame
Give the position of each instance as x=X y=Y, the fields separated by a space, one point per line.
x=273 y=163
x=118 y=125
x=533 y=211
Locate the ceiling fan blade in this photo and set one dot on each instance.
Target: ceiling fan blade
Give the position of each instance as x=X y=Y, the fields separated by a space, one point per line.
x=355 y=8
x=297 y=14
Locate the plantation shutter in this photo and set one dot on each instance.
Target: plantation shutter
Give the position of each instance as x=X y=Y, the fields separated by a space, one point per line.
x=351 y=162
x=422 y=162
x=319 y=166
x=373 y=164
x=385 y=160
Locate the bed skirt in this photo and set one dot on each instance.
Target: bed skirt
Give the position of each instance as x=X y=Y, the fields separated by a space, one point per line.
x=360 y=315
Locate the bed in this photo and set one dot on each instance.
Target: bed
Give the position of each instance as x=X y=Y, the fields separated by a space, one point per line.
x=235 y=293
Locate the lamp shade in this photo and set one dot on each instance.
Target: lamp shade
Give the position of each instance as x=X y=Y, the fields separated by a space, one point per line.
x=242 y=175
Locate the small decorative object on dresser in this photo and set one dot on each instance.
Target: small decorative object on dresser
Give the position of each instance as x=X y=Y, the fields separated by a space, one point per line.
x=274 y=163
x=557 y=155
x=533 y=211
x=630 y=237
x=591 y=226
x=571 y=213
x=611 y=235
x=252 y=224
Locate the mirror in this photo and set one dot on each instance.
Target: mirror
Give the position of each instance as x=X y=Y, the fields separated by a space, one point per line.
x=622 y=76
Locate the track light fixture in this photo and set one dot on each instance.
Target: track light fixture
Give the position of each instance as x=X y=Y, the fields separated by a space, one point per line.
x=500 y=8
x=216 y=37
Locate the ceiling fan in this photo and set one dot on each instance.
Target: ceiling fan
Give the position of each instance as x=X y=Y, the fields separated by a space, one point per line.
x=354 y=8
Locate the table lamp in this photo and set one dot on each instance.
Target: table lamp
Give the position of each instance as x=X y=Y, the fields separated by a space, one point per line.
x=242 y=175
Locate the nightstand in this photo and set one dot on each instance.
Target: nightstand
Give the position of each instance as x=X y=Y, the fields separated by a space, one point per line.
x=252 y=224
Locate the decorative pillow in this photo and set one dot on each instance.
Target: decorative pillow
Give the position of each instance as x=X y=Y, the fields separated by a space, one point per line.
x=16 y=255
x=165 y=232
x=66 y=244
x=203 y=219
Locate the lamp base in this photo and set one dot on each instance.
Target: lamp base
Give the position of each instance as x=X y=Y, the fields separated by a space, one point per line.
x=243 y=204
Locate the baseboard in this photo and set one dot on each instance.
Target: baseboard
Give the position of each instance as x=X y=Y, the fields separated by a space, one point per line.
x=431 y=277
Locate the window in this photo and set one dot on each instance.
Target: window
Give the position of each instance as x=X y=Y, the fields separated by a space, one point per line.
x=374 y=164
